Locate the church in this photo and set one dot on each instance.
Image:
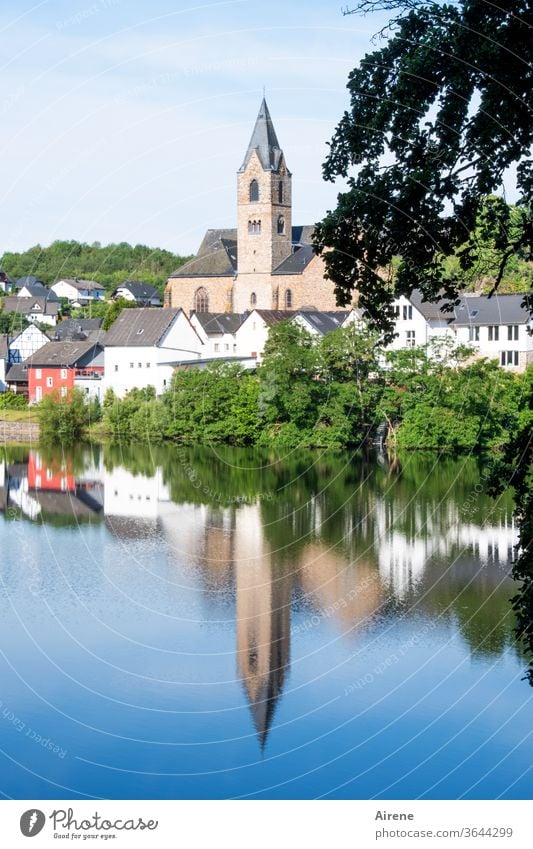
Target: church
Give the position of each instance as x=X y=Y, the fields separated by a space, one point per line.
x=266 y=262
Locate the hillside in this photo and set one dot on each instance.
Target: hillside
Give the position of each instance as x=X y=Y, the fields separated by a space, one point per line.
x=107 y=264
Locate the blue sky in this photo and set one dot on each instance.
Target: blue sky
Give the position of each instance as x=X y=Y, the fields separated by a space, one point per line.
x=127 y=121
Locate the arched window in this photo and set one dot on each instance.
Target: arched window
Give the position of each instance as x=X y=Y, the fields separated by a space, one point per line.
x=254 y=190
x=288 y=299
x=281 y=225
x=253 y=299
x=201 y=300
x=280 y=192
x=254 y=227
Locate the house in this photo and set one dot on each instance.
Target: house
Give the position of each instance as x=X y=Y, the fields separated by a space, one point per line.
x=79 y=292
x=71 y=329
x=28 y=280
x=40 y=309
x=417 y=322
x=252 y=334
x=143 y=346
x=17 y=379
x=62 y=366
x=217 y=332
x=7 y=284
x=496 y=328
x=265 y=262
x=144 y=294
x=26 y=343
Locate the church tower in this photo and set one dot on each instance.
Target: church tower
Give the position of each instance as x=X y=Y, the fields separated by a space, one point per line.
x=264 y=204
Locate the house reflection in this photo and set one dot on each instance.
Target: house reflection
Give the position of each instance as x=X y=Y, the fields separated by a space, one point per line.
x=397 y=546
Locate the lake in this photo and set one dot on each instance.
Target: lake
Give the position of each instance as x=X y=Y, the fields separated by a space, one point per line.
x=217 y=623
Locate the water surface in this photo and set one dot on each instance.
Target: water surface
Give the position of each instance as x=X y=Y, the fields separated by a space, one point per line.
x=214 y=624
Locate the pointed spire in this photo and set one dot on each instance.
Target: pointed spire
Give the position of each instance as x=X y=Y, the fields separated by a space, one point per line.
x=264 y=141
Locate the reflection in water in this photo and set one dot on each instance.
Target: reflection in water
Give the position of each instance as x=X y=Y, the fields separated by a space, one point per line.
x=342 y=541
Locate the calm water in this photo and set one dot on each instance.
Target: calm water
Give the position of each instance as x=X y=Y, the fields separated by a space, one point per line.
x=227 y=624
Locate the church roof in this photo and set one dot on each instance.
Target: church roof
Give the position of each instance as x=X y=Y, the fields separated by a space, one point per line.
x=264 y=141
x=217 y=255
x=220 y=322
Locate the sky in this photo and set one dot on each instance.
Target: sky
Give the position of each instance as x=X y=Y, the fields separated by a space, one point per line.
x=126 y=120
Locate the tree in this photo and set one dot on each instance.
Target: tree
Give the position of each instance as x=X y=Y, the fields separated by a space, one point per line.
x=437 y=118
x=113 y=310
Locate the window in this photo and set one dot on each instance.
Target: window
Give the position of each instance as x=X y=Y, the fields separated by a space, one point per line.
x=116 y=368
x=234 y=349
x=407 y=312
x=201 y=300
x=226 y=347
x=280 y=192
x=254 y=227
x=38 y=373
x=494 y=333
x=253 y=299
x=254 y=191
x=39 y=393
x=410 y=338
x=139 y=365
x=147 y=365
x=217 y=347
x=131 y=365
x=64 y=391
x=49 y=474
x=509 y=358
x=396 y=310
x=473 y=334
x=281 y=225
x=49 y=382
x=288 y=299
x=512 y=332
x=63 y=374
x=38 y=481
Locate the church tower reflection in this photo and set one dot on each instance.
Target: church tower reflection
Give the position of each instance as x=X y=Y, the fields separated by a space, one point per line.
x=263 y=596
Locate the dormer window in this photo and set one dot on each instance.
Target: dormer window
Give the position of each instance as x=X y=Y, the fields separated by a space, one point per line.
x=254 y=191
x=281 y=225
x=254 y=227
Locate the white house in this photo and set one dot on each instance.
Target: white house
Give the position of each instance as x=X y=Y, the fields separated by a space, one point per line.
x=143 y=294
x=496 y=328
x=38 y=309
x=79 y=291
x=252 y=334
x=143 y=347
x=218 y=332
x=26 y=343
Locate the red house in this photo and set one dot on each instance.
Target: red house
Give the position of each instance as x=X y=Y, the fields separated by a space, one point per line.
x=55 y=367
x=41 y=476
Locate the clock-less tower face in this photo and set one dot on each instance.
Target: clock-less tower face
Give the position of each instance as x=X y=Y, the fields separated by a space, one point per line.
x=264 y=202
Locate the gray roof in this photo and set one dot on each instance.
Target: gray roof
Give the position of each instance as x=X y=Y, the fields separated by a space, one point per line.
x=218 y=257
x=17 y=373
x=139 y=290
x=264 y=141
x=500 y=309
x=430 y=310
x=44 y=305
x=297 y=262
x=142 y=327
x=37 y=290
x=220 y=322
x=28 y=280
x=4 y=346
x=324 y=322
x=89 y=285
x=272 y=317
x=64 y=354
x=79 y=328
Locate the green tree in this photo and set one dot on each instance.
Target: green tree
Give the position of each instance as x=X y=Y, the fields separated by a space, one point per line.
x=64 y=418
x=437 y=117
